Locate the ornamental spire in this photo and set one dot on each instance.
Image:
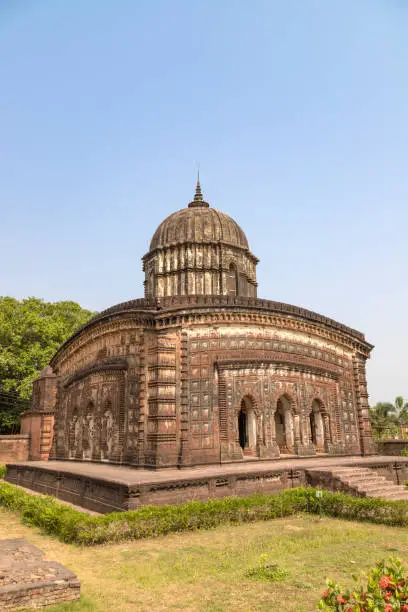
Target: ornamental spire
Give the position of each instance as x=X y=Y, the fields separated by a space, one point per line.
x=198 y=196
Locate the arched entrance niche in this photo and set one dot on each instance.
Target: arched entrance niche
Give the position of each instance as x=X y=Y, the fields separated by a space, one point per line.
x=74 y=434
x=319 y=423
x=88 y=432
x=106 y=432
x=247 y=435
x=284 y=425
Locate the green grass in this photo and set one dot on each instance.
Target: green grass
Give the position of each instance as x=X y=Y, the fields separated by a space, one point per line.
x=73 y=526
x=207 y=570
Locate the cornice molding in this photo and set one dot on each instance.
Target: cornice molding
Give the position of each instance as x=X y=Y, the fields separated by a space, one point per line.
x=109 y=364
x=224 y=365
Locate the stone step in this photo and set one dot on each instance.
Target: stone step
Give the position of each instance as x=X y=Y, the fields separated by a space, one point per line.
x=351 y=475
x=368 y=483
x=363 y=482
x=375 y=489
x=391 y=496
x=357 y=479
x=359 y=476
x=352 y=471
x=388 y=488
x=398 y=494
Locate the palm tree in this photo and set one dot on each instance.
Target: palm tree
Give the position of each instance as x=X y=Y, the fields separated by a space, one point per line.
x=402 y=409
x=383 y=419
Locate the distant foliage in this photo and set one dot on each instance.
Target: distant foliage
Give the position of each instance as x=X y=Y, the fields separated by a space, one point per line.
x=386 y=418
x=31 y=331
x=11 y=407
x=384 y=588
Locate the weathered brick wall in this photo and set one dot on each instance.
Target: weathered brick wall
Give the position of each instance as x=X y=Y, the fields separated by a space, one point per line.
x=165 y=387
x=392 y=447
x=14 y=448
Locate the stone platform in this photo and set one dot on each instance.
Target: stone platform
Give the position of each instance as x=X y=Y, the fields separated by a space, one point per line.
x=108 y=488
x=27 y=580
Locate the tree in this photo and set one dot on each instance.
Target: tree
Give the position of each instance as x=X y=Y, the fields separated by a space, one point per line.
x=402 y=408
x=383 y=419
x=31 y=331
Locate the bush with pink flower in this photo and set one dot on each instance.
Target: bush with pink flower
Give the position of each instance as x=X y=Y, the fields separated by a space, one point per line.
x=383 y=589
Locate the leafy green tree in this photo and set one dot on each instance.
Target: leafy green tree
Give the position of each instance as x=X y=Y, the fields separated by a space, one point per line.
x=31 y=331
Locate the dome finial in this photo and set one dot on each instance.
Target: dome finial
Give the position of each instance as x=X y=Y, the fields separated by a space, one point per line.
x=198 y=196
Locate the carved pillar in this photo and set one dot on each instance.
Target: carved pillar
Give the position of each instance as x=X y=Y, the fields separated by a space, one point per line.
x=273 y=428
x=360 y=387
x=289 y=430
x=185 y=454
x=326 y=429
x=143 y=408
x=163 y=436
x=296 y=427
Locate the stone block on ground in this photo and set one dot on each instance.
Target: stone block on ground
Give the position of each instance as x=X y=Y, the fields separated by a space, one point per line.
x=27 y=580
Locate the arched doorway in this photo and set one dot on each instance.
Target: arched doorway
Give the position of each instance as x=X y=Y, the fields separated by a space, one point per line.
x=284 y=425
x=317 y=428
x=247 y=435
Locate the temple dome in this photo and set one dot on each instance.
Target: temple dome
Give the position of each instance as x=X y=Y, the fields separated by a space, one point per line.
x=199 y=251
x=198 y=223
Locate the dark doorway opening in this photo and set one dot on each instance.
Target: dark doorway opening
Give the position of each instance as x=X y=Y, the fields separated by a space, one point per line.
x=313 y=427
x=242 y=428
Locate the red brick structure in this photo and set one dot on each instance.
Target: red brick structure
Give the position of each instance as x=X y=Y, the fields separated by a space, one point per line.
x=14 y=448
x=202 y=371
x=38 y=421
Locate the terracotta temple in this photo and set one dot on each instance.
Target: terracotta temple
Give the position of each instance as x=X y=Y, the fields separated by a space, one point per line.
x=200 y=370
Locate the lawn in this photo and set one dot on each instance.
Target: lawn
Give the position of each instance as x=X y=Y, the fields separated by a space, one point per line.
x=206 y=570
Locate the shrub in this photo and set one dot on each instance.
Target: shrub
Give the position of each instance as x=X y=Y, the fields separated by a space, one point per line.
x=267 y=571
x=3 y=470
x=384 y=588
x=71 y=525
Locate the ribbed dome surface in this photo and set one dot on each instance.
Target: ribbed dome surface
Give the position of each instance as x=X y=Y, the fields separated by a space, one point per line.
x=198 y=224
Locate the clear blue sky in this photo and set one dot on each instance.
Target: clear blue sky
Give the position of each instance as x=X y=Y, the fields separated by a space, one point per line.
x=295 y=109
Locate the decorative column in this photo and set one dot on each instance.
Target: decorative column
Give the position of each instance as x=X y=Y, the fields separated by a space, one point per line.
x=296 y=426
x=162 y=437
x=289 y=430
x=360 y=387
x=185 y=451
x=326 y=430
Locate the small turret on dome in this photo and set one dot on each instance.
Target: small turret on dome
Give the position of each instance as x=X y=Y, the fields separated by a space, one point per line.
x=198 y=197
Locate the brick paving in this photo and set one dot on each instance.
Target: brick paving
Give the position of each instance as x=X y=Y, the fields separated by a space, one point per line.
x=27 y=580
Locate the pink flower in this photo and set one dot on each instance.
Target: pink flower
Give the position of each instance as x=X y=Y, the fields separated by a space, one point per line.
x=325 y=594
x=388 y=608
x=341 y=599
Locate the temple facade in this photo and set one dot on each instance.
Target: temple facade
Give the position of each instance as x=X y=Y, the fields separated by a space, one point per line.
x=201 y=370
